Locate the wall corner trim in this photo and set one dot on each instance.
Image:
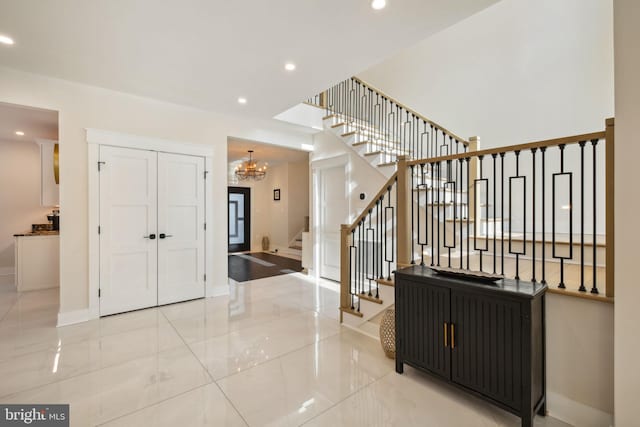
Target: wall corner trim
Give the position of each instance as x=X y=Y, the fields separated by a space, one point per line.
x=576 y=413
x=72 y=317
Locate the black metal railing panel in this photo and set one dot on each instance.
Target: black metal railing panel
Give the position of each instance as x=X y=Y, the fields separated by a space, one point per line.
x=372 y=253
x=385 y=124
x=529 y=212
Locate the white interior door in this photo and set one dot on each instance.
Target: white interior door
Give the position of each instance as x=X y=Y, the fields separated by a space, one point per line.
x=181 y=261
x=128 y=224
x=334 y=211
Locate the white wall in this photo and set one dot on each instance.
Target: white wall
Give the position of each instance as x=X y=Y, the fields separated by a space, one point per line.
x=19 y=195
x=298 y=196
x=518 y=71
x=82 y=107
x=580 y=360
x=627 y=205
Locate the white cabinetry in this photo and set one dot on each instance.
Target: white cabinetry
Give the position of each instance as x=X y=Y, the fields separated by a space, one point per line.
x=37 y=262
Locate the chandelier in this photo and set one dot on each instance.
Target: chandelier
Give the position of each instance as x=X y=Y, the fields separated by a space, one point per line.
x=249 y=170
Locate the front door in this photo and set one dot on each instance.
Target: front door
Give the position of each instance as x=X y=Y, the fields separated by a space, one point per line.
x=181 y=260
x=239 y=205
x=128 y=224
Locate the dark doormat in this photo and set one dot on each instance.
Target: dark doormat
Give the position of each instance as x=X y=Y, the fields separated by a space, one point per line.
x=258 y=265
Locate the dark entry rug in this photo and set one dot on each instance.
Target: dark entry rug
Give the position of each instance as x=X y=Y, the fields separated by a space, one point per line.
x=258 y=265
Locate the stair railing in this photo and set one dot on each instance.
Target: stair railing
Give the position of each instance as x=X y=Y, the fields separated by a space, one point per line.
x=524 y=209
x=385 y=124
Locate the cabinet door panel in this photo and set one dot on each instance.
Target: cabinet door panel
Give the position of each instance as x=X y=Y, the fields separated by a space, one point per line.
x=487 y=353
x=424 y=311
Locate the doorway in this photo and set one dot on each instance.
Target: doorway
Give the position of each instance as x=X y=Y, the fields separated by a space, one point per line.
x=239 y=214
x=333 y=211
x=152 y=236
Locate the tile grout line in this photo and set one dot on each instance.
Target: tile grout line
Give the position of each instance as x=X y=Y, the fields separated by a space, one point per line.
x=213 y=381
x=231 y=403
x=345 y=398
x=153 y=404
x=188 y=347
x=11 y=308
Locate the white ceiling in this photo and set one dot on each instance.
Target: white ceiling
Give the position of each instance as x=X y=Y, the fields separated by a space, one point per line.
x=34 y=122
x=207 y=53
x=264 y=153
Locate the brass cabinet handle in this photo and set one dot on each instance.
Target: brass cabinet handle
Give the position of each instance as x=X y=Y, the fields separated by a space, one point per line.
x=446 y=330
x=453 y=336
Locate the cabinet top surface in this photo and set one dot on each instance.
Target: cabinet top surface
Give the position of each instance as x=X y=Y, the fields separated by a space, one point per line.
x=517 y=288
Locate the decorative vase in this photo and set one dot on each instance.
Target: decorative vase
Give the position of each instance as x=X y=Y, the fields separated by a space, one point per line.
x=388 y=333
x=265 y=243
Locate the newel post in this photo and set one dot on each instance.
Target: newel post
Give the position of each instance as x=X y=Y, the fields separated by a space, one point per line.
x=344 y=268
x=474 y=145
x=609 y=217
x=404 y=213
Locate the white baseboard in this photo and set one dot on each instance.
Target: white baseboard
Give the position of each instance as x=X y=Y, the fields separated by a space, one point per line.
x=576 y=413
x=72 y=317
x=216 y=291
x=7 y=279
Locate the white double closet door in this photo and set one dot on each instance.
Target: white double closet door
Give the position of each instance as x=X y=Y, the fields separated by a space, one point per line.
x=152 y=222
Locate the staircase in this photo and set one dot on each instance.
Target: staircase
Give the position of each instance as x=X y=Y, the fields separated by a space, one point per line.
x=528 y=211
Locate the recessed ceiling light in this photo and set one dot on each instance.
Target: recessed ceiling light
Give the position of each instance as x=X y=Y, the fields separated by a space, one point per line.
x=242 y=100
x=289 y=66
x=5 y=39
x=378 y=4
x=19 y=133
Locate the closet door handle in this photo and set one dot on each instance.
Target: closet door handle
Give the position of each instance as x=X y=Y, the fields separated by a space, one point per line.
x=150 y=237
x=163 y=236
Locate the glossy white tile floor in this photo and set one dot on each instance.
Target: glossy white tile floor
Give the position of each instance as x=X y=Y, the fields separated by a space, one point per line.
x=272 y=353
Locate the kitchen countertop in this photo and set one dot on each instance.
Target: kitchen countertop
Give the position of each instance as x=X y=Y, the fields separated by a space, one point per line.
x=38 y=233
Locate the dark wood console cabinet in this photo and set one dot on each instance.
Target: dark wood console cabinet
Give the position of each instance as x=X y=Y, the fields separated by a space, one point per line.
x=488 y=339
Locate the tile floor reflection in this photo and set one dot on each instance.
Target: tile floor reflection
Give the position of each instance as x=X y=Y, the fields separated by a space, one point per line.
x=271 y=353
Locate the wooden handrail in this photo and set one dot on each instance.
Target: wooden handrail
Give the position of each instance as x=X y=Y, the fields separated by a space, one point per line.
x=373 y=201
x=510 y=148
x=420 y=116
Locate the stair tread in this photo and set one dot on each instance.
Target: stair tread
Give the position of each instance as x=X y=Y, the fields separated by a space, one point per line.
x=350 y=311
x=369 y=298
x=385 y=282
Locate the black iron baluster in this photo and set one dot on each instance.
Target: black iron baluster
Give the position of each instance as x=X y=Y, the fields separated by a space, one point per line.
x=543 y=150
x=461 y=216
x=412 y=216
x=424 y=241
x=594 y=287
x=438 y=181
x=468 y=160
x=533 y=240
x=454 y=206
x=582 y=288
x=494 y=212
x=430 y=201
x=352 y=253
x=553 y=221
x=370 y=260
x=388 y=258
x=502 y=213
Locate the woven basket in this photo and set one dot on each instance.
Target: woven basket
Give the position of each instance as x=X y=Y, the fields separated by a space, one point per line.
x=388 y=333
